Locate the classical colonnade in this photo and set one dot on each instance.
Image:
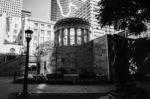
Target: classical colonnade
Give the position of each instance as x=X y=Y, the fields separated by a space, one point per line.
x=71 y=31
x=71 y=36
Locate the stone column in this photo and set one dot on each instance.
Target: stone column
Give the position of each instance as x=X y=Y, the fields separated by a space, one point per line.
x=68 y=34
x=82 y=36
x=87 y=35
x=62 y=37
x=57 y=38
x=84 y=41
x=75 y=36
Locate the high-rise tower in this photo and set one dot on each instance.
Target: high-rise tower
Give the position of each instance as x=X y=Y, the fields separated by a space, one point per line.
x=64 y=8
x=88 y=11
x=11 y=7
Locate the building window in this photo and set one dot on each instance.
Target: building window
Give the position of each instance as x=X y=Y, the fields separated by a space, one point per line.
x=65 y=40
x=16 y=25
x=35 y=38
x=48 y=33
x=35 y=24
x=15 y=31
x=35 y=31
x=48 y=38
x=72 y=36
x=42 y=26
x=85 y=36
x=20 y=37
x=12 y=50
x=14 y=37
x=49 y=26
x=60 y=38
x=42 y=32
x=41 y=39
x=79 y=37
x=34 y=45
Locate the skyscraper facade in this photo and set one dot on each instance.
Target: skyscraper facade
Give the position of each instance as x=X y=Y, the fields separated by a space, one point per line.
x=42 y=32
x=64 y=8
x=11 y=7
x=25 y=13
x=88 y=11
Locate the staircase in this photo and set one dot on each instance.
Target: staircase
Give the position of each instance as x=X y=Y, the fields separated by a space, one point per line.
x=14 y=65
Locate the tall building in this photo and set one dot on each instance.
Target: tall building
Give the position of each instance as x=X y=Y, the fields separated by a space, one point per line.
x=15 y=28
x=88 y=11
x=6 y=46
x=25 y=13
x=64 y=8
x=3 y=28
x=42 y=32
x=11 y=7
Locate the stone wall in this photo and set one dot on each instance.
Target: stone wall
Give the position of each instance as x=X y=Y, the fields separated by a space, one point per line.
x=90 y=57
x=100 y=56
x=84 y=58
x=66 y=58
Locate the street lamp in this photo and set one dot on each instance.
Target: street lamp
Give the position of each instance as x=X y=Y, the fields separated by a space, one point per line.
x=28 y=35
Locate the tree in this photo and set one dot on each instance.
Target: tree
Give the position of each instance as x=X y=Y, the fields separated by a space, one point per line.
x=44 y=48
x=131 y=15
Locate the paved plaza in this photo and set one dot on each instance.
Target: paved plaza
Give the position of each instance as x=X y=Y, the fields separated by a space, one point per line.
x=51 y=91
x=7 y=88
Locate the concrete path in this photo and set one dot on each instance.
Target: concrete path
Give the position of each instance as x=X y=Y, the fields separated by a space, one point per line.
x=7 y=88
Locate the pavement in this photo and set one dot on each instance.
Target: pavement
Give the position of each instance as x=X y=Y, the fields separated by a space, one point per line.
x=9 y=90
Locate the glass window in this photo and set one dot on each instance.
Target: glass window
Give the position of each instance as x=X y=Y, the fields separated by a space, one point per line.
x=72 y=36
x=48 y=38
x=49 y=26
x=60 y=37
x=35 y=31
x=49 y=33
x=65 y=40
x=15 y=31
x=42 y=24
x=34 y=45
x=41 y=39
x=85 y=36
x=20 y=37
x=16 y=25
x=42 y=32
x=14 y=37
x=36 y=24
x=79 y=36
x=35 y=38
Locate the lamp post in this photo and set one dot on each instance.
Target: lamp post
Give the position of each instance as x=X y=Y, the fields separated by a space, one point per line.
x=28 y=35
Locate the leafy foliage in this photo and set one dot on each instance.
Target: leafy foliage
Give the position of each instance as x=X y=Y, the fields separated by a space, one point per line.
x=131 y=15
x=44 y=48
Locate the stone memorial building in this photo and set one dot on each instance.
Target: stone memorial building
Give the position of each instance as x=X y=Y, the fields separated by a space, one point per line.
x=70 y=33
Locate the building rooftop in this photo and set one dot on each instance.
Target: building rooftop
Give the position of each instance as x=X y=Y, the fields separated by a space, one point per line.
x=41 y=20
x=74 y=20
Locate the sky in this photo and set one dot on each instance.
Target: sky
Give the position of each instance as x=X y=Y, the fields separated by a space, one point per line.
x=38 y=8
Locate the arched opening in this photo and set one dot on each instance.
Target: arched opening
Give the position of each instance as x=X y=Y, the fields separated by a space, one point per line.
x=79 y=40
x=60 y=37
x=72 y=36
x=85 y=36
x=65 y=40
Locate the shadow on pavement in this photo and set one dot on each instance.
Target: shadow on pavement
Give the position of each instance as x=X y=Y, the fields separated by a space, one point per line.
x=59 y=96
